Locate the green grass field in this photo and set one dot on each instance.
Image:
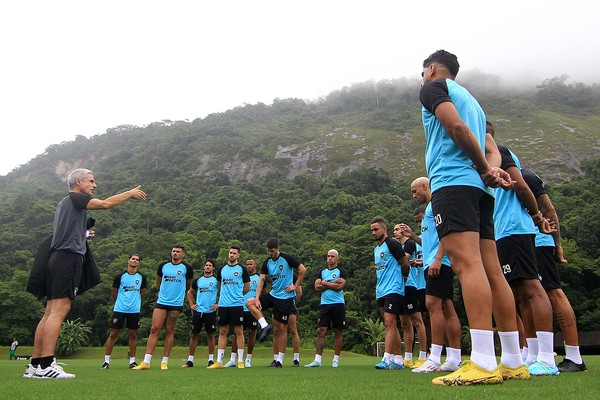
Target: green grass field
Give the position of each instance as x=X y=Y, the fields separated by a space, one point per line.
x=355 y=379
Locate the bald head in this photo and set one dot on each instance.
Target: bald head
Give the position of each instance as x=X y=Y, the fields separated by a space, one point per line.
x=420 y=190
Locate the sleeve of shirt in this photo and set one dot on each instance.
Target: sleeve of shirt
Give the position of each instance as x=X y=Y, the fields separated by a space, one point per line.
x=507 y=160
x=117 y=281
x=291 y=260
x=343 y=273
x=245 y=275
x=144 y=282
x=159 y=271
x=433 y=94
x=264 y=270
x=195 y=284
x=218 y=274
x=409 y=246
x=79 y=200
x=395 y=248
x=534 y=182
x=189 y=274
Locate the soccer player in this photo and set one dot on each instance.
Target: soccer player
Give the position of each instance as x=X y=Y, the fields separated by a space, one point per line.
x=202 y=297
x=391 y=264
x=548 y=252
x=234 y=283
x=414 y=285
x=330 y=282
x=516 y=216
x=280 y=267
x=461 y=177
x=439 y=288
x=65 y=265
x=173 y=280
x=127 y=290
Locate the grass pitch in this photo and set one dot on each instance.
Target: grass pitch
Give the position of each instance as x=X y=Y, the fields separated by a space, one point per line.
x=355 y=379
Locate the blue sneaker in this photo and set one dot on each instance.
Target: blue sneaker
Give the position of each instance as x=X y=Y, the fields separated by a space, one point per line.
x=540 y=368
x=382 y=365
x=313 y=364
x=393 y=365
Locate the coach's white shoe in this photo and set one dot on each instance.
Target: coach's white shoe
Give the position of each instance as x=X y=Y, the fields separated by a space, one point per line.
x=54 y=371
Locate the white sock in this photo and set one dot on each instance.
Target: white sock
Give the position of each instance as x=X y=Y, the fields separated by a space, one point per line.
x=147 y=358
x=107 y=359
x=398 y=360
x=297 y=357
x=483 y=352
x=408 y=356
x=249 y=357
x=532 y=345
x=422 y=355
x=524 y=353
x=220 y=355
x=436 y=353
x=318 y=358
x=165 y=360
x=211 y=357
x=262 y=322
x=240 y=354
x=511 y=355
x=336 y=358
x=453 y=355
x=546 y=347
x=280 y=357
x=233 y=356
x=386 y=357
x=191 y=358
x=572 y=353
x=131 y=360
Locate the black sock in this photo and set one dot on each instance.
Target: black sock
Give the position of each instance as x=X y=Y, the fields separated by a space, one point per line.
x=35 y=361
x=46 y=361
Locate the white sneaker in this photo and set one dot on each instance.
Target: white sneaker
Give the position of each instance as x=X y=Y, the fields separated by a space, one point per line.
x=248 y=364
x=29 y=371
x=335 y=364
x=448 y=366
x=54 y=371
x=427 y=367
x=229 y=364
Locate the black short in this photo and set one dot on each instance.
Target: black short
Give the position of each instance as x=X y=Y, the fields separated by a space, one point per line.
x=332 y=315
x=411 y=301
x=392 y=303
x=463 y=208
x=206 y=320
x=282 y=308
x=231 y=316
x=119 y=318
x=441 y=286
x=63 y=274
x=250 y=322
x=422 y=304
x=547 y=267
x=517 y=257
x=168 y=308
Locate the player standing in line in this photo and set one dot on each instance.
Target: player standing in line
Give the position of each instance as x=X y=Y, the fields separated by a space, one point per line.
x=549 y=252
x=235 y=282
x=202 y=297
x=391 y=264
x=127 y=290
x=330 y=282
x=461 y=178
x=173 y=280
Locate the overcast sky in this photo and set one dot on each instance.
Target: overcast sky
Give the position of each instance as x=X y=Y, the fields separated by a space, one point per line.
x=80 y=67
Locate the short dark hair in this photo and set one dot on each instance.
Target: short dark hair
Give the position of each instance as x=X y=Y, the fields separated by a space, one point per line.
x=379 y=221
x=134 y=254
x=178 y=246
x=489 y=128
x=210 y=260
x=272 y=243
x=444 y=58
x=419 y=210
x=237 y=247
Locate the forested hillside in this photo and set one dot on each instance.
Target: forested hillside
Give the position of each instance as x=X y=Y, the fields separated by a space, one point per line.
x=311 y=173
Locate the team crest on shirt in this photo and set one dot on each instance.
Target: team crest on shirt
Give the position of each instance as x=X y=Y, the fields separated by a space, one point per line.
x=254 y=282
x=210 y=284
x=381 y=255
x=281 y=267
x=333 y=276
x=137 y=281
x=236 y=274
x=179 y=272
